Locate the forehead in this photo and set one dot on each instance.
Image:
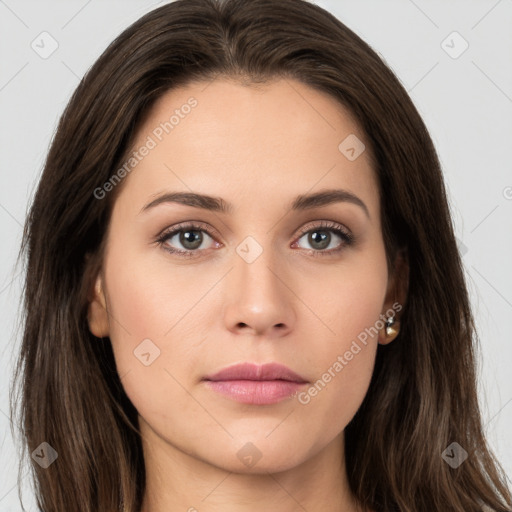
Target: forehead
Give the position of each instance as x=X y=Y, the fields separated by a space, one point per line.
x=260 y=143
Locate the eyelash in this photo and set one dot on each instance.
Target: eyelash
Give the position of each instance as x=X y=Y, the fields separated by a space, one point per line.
x=347 y=237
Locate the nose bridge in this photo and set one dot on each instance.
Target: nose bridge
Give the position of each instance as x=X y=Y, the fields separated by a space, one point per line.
x=257 y=296
x=256 y=265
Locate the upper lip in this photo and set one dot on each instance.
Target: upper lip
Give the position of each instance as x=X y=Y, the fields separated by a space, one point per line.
x=251 y=371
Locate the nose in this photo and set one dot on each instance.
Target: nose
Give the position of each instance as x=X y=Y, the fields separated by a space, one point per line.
x=259 y=297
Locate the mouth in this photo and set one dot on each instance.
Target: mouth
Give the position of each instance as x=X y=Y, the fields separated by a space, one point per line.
x=254 y=384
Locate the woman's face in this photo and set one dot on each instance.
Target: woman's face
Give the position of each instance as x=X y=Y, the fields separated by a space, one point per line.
x=268 y=279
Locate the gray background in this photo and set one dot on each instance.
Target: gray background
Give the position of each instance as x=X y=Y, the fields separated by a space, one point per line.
x=465 y=100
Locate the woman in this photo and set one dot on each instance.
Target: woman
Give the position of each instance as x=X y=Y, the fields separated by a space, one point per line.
x=187 y=349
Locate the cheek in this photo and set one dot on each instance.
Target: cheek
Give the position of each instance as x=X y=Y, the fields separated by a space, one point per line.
x=349 y=305
x=152 y=336
x=343 y=371
x=148 y=308
x=147 y=296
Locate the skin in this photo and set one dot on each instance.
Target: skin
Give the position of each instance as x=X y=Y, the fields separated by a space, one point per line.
x=257 y=148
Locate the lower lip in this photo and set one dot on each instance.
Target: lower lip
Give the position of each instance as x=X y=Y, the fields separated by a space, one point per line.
x=256 y=392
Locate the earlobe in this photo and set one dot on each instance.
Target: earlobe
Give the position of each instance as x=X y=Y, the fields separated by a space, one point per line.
x=97 y=315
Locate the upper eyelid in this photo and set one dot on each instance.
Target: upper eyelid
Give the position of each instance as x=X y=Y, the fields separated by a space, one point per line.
x=323 y=224
x=188 y=225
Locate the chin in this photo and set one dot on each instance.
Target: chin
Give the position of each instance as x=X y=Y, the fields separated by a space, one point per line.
x=253 y=457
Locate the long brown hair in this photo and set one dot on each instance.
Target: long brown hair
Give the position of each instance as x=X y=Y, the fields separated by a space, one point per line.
x=422 y=396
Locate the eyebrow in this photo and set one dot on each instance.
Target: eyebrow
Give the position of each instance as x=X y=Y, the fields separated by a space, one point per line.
x=217 y=204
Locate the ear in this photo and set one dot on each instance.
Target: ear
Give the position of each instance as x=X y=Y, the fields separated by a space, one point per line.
x=97 y=315
x=396 y=295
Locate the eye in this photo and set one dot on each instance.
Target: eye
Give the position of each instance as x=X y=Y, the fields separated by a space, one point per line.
x=320 y=238
x=191 y=237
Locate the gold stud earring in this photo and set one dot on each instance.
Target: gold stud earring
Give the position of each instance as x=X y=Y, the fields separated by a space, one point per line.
x=392 y=329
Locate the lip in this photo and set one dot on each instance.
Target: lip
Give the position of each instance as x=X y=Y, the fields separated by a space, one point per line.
x=251 y=371
x=254 y=384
